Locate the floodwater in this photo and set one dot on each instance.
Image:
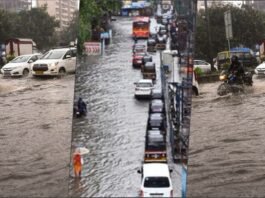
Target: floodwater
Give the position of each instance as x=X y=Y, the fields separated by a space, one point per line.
x=35 y=136
x=227 y=143
x=114 y=129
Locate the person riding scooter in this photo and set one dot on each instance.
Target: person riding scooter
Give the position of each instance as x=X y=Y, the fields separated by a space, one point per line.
x=81 y=107
x=235 y=70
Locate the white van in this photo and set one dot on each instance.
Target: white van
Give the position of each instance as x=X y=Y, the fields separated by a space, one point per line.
x=156 y=180
x=55 y=62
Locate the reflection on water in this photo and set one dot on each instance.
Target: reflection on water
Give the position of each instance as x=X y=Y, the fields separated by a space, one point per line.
x=226 y=157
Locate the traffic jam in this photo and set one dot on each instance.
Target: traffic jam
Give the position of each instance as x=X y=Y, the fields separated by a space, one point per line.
x=155 y=171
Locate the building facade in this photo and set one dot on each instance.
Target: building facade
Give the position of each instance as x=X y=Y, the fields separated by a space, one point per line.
x=15 y=5
x=62 y=10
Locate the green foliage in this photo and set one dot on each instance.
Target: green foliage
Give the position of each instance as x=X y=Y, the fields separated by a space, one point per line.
x=248 y=29
x=35 y=24
x=198 y=71
x=91 y=13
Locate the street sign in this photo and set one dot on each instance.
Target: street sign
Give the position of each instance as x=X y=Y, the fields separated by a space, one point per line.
x=228 y=25
x=92 y=48
x=104 y=35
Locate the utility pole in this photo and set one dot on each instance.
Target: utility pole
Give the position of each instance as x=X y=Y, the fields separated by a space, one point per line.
x=209 y=34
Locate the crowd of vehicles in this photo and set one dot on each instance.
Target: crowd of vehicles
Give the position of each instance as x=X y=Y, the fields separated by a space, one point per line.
x=55 y=62
x=155 y=180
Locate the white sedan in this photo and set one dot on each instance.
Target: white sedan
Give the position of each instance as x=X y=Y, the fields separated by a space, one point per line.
x=260 y=69
x=20 y=66
x=203 y=65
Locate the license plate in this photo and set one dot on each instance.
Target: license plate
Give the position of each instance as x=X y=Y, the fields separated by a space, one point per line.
x=39 y=72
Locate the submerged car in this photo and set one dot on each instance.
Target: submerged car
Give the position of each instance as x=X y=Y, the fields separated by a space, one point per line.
x=143 y=89
x=20 y=66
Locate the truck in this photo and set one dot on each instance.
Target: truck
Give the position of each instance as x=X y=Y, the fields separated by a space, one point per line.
x=20 y=46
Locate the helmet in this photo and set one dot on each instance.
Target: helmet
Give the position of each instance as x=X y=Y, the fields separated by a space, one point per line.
x=234 y=59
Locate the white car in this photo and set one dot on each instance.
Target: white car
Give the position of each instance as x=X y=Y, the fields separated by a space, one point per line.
x=156 y=181
x=260 y=69
x=143 y=88
x=203 y=65
x=55 y=62
x=20 y=66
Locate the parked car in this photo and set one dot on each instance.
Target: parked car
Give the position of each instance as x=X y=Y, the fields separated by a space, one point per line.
x=140 y=58
x=156 y=181
x=55 y=62
x=151 y=45
x=143 y=88
x=138 y=48
x=157 y=120
x=260 y=69
x=20 y=66
x=157 y=94
x=203 y=65
x=157 y=106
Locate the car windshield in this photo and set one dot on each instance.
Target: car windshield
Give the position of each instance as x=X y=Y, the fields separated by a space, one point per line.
x=20 y=59
x=156 y=182
x=54 y=55
x=144 y=85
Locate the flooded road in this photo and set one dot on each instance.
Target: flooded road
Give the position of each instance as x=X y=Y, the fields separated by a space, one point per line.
x=35 y=136
x=226 y=157
x=114 y=129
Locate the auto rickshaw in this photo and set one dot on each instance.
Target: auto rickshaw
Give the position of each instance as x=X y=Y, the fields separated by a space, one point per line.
x=151 y=45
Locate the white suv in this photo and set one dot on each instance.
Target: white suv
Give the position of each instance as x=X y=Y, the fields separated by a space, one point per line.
x=143 y=88
x=55 y=62
x=20 y=66
x=156 y=180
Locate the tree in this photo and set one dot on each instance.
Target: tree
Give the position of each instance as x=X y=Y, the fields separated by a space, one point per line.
x=38 y=25
x=7 y=25
x=248 y=29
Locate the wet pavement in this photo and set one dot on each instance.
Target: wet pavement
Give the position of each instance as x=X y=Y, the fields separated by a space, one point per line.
x=226 y=157
x=114 y=129
x=35 y=136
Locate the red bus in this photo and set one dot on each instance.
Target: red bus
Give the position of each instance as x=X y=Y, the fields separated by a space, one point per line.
x=141 y=27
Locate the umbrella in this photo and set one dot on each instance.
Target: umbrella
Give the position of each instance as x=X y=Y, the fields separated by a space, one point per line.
x=82 y=150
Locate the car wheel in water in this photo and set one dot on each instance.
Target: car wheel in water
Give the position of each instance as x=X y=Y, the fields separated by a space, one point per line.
x=62 y=72
x=25 y=72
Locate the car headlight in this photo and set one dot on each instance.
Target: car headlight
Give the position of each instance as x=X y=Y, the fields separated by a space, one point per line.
x=53 y=64
x=222 y=77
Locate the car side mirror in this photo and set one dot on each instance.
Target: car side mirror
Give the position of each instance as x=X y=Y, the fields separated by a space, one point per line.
x=67 y=56
x=30 y=61
x=139 y=171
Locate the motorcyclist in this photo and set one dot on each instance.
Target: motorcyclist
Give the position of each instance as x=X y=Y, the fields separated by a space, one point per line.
x=82 y=108
x=236 y=69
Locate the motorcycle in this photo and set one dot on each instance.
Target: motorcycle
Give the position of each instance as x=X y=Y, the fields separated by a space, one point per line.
x=233 y=84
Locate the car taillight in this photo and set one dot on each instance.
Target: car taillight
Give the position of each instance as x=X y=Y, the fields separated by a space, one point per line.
x=141 y=193
x=171 y=193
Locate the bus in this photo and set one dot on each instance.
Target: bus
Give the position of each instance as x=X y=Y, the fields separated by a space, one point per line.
x=245 y=55
x=141 y=27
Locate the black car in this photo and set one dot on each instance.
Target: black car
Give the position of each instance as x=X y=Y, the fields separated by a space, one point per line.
x=157 y=121
x=157 y=94
x=151 y=45
x=157 y=106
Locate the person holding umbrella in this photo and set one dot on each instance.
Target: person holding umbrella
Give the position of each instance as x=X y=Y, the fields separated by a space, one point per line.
x=78 y=160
